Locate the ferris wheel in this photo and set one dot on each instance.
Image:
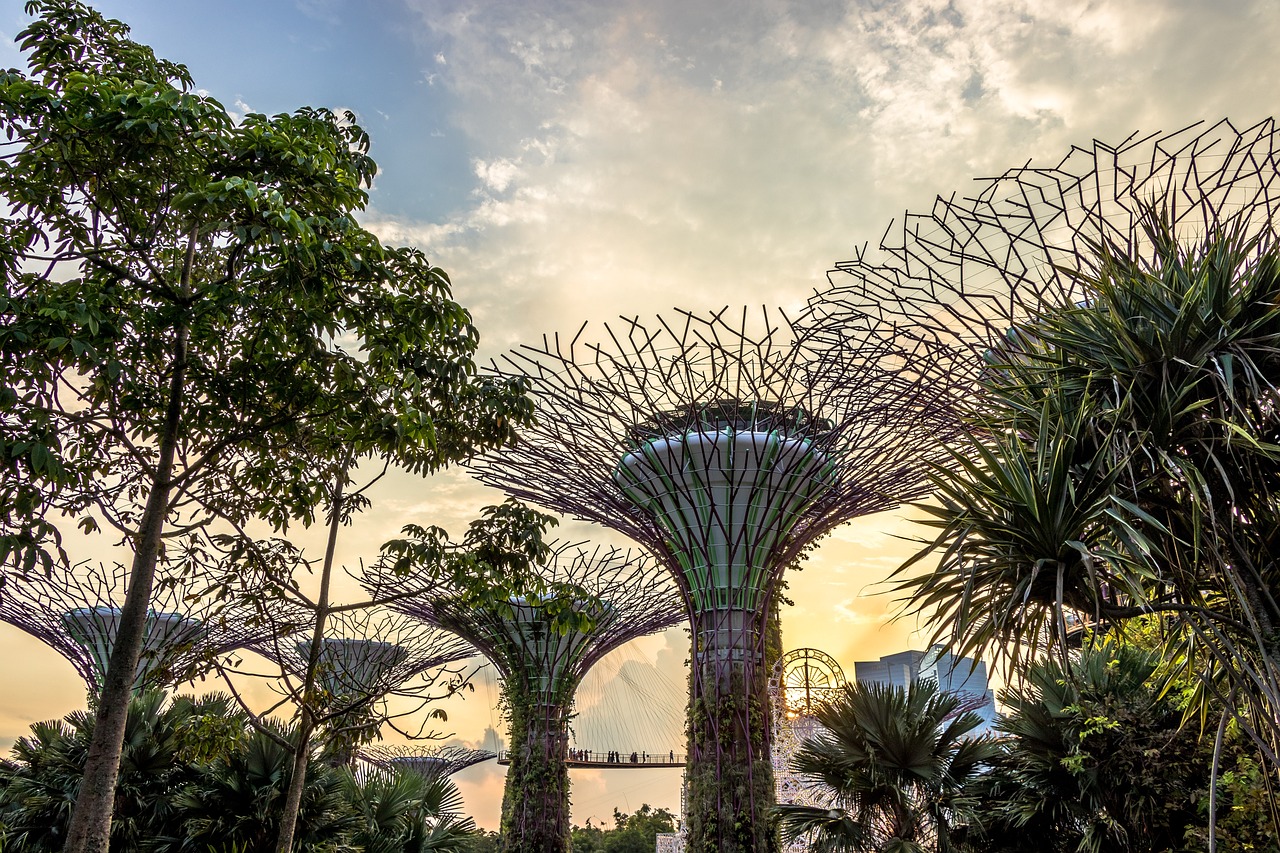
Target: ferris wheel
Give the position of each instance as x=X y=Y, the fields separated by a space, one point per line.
x=804 y=679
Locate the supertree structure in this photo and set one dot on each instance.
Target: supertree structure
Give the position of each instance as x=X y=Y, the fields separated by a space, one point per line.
x=365 y=656
x=542 y=644
x=77 y=613
x=956 y=280
x=719 y=444
x=429 y=762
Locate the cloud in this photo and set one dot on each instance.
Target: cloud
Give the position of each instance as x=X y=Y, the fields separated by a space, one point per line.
x=498 y=174
x=636 y=156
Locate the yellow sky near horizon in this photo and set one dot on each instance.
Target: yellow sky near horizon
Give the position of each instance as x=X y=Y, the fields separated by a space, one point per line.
x=840 y=608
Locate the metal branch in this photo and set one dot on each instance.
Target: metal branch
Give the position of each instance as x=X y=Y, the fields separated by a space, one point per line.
x=75 y=613
x=955 y=280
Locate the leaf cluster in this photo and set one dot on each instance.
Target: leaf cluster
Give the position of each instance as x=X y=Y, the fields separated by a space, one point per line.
x=896 y=770
x=195 y=776
x=496 y=561
x=1123 y=460
x=167 y=269
x=631 y=833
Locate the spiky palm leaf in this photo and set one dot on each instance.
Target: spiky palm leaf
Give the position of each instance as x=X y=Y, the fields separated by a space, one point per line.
x=894 y=765
x=405 y=812
x=237 y=799
x=39 y=782
x=1093 y=759
x=1126 y=460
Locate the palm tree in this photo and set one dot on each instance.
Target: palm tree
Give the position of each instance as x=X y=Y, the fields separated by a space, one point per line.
x=1125 y=460
x=237 y=800
x=895 y=767
x=407 y=812
x=164 y=740
x=1095 y=759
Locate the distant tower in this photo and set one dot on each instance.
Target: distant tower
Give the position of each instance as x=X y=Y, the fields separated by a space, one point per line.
x=726 y=452
x=75 y=613
x=542 y=649
x=368 y=655
x=965 y=677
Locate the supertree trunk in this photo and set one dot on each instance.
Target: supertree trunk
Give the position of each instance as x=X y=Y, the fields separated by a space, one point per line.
x=535 y=801
x=732 y=448
x=730 y=771
x=542 y=641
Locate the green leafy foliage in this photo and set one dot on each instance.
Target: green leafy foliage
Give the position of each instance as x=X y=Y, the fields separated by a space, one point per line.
x=142 y=213
x=407 y=813
x=897 y=769
x=1096 y=758
x=193 y=325
x=729 y=778
x=483 y=842
x=1124 y=459
x=535 y=798
x=237 y=799
x=631 y=833
x=197 y=777
x=494 y=562
x=165 y=742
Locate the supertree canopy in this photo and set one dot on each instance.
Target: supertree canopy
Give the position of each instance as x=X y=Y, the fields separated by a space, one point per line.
x=76 y=614
x=429 y=762
x=955 y=281
x=722 y=445
x=365 y=656
x=589 y=602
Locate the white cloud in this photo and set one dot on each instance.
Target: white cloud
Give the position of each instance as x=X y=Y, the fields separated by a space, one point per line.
x=498 y=174
x=728 y=153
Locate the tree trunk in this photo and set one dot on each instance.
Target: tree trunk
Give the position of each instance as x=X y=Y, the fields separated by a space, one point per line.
x=730 y=772
x=535 y=802
x=306 y=719
x=89 y=830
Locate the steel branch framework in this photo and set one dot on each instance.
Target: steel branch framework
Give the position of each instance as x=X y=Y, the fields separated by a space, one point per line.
x=954 y=281
x=725 y=445
x=626 y=595
x=367 y=654
x=959 y=280
x=76 y=613
x=430 y=762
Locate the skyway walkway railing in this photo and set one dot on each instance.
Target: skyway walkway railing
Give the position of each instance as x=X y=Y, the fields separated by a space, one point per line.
x=615 y=760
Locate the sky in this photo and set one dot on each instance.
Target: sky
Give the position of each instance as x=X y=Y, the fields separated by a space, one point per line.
x=576 y=161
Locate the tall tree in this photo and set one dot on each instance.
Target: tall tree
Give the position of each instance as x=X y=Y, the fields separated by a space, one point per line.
x=337 y=691
x=193 y=326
